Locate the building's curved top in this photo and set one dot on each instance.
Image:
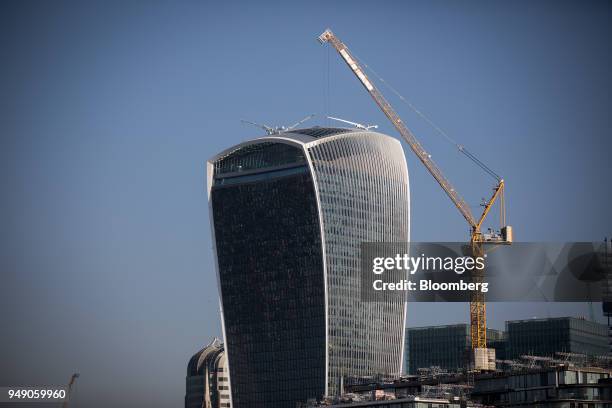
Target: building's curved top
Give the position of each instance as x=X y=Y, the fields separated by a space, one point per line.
x=294 y=136
x=196 y=362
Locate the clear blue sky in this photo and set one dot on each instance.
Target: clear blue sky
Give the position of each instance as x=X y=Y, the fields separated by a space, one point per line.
x=109 y=110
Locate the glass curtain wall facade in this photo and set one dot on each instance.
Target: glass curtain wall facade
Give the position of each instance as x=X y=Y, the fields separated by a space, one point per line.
x=270 y=273
x=363 y=193
x=444 y=346
x=288 y=214
x=545 y=337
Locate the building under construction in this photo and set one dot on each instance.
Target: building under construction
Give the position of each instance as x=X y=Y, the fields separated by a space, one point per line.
x=445 y=347
x=536 y=383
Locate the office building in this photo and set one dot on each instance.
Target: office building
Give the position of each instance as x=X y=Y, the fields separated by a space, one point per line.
x=207 y=382
x=444 y=346
x=545 y=337
x=289 y=212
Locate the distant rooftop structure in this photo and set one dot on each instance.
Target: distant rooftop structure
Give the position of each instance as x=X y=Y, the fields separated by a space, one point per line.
x=207 y=382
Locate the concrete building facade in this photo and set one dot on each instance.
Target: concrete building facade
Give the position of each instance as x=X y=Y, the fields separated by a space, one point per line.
x=288 y=215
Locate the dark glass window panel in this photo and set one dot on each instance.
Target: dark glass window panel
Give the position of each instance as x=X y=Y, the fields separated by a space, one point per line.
x=257 y=157
x=271 y=272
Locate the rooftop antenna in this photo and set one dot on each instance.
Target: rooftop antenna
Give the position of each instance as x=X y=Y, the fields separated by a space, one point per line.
x=357 y=125
x=269 y=130
x=277 y=129
x=299 y=123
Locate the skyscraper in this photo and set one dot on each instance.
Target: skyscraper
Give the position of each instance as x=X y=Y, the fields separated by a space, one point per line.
x=288 y=214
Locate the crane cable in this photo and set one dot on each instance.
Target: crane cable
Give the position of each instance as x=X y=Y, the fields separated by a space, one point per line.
x=436 y=128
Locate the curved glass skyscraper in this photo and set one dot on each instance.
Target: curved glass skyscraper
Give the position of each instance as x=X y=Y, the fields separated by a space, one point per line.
x=289 y=213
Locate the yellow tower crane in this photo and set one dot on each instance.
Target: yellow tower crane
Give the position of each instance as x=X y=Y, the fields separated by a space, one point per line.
x=478 y=317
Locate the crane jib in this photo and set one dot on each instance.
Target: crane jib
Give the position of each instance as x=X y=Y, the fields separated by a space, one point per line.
x=364 y=80
x=478 y=319
x=459 y=202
